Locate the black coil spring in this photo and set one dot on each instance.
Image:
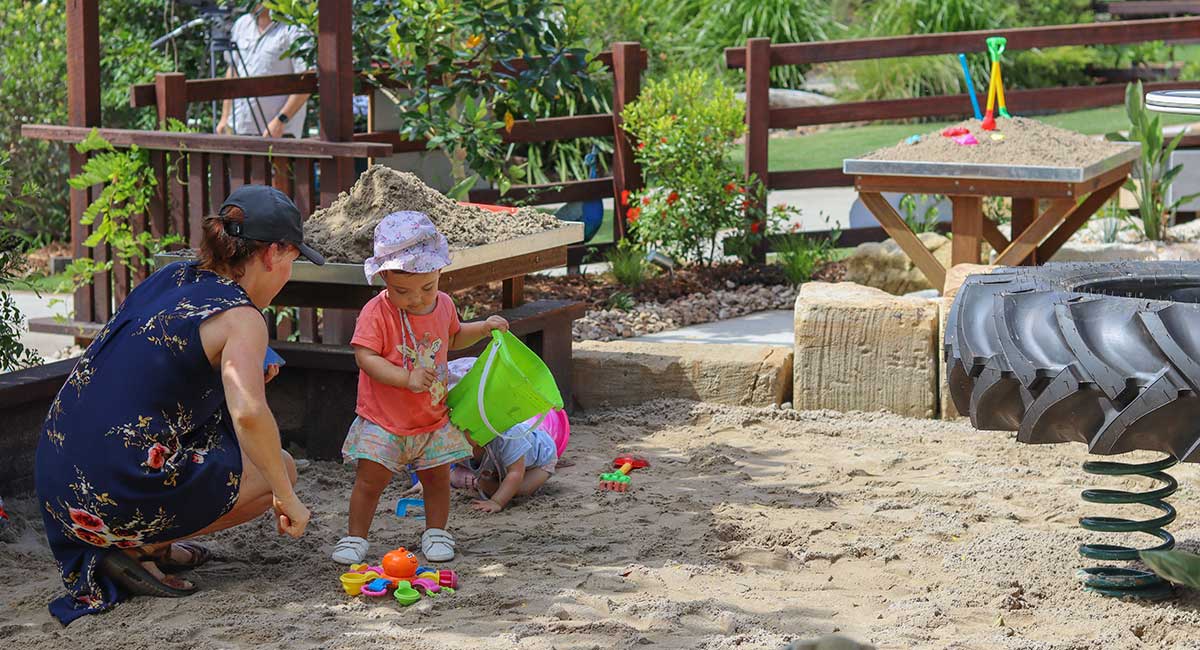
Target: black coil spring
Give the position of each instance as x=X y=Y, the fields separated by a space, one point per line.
x=1116 y=581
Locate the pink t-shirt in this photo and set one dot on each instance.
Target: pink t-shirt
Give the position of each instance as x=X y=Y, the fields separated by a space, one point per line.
x=381 y=328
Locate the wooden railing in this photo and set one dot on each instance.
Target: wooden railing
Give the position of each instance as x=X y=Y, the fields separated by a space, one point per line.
x=195 y=173
x=760 y=55
x=625 y=62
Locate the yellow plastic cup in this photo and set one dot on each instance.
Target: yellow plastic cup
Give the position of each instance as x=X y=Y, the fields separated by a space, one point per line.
x=353 y=582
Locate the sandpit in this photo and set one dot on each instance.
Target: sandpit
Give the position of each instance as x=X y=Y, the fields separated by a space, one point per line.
x=753 y=528
x=344 y=231
x=1025 y=142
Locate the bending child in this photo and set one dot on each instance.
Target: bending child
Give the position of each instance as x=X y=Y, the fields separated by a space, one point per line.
x=400 y=343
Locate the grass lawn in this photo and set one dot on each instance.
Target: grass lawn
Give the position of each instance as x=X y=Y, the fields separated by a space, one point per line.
x=42 y=283
x=828 y=148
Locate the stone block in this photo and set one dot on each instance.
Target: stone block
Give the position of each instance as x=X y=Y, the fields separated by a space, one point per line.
x=956 y=274
x=620 y=373
x=861 y=349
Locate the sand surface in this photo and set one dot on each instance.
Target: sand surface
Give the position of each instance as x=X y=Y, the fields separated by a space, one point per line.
x=344 y=232
x=1025 y=142
x=753 y=528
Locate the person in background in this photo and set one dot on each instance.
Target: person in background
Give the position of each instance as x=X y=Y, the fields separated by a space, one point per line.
x=261 y=47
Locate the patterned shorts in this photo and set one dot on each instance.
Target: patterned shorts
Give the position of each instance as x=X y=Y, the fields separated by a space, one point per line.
x=424 y=451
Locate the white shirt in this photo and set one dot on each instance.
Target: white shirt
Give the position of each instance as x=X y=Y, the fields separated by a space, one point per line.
x=260 y=54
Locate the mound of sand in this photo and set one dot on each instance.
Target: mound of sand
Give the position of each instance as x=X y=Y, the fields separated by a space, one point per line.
x=343 y=232
x=751 y=529
x=1025 y=142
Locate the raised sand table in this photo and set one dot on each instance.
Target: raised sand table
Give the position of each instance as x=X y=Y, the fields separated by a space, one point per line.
x=1076 y=174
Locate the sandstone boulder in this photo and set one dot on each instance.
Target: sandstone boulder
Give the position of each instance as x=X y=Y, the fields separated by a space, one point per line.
x=619 y=373
x=885 y=266
x=861 y=349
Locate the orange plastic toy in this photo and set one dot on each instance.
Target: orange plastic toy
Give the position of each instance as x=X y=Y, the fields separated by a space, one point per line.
x=400 y=564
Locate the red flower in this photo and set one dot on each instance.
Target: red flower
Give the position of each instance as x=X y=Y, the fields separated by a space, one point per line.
x=157 y=456
x=85 y=519
x=645 y=200
x=663 y=139
x=746 y=204
x=641 y=145
x=729 y=187
x=672 y=197
x=89 y=537
x=624 y=197
x=633 y=214
x=756 y=227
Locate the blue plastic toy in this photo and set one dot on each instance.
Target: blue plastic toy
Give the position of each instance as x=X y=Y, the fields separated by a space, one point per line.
x=962 y=59
x=273 y=358
x=403 y=506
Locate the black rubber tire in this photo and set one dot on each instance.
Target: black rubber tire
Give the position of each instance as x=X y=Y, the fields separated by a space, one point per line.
x=1107 y=354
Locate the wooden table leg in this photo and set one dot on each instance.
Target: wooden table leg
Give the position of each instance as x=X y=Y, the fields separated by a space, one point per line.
x=894 y=224
x=514 y=292
x=967 y=226
x=1077 y=218
x=1024 y=211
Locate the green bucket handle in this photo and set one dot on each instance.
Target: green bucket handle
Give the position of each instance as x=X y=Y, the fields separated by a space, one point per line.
x=494 y=347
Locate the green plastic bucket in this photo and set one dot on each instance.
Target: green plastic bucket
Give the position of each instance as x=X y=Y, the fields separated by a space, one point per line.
x=507 y=385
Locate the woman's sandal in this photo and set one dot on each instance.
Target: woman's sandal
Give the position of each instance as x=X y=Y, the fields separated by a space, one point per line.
x=128 y=572
x=197 y=556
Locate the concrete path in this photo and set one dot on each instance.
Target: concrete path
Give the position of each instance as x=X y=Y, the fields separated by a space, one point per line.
x=762 y=328
x=48 y=304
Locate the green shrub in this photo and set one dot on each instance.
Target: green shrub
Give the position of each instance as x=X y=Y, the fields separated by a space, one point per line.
x=1153 y=166
x=33 y=70
x=800 y=257
x=685 y=127
x=714 y=26
x=920 y=219
x=1050 y=68
x=13 y=354
x=628 y=262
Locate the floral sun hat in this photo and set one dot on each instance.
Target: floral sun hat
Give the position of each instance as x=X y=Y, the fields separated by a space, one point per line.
x=407 y=241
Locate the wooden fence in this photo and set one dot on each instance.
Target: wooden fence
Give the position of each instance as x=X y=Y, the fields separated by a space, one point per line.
x=760 y=55
x=196 y=172
x=626 y=62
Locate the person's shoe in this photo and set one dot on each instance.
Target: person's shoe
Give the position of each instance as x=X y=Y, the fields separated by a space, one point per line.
x=437 y=545
x=351 y=550
x=137 y=579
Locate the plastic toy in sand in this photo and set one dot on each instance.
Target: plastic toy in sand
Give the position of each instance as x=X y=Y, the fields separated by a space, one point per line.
x=619 y=480
x=400 y=574
x=405 y=506
x=995 y=45
x=400 y=564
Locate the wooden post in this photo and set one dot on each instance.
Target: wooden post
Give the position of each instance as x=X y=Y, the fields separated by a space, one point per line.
x=335 y=79
x=627 y=81
x=758 y=118
x=83 y=109
x=170 y=93
x=1024 y=211
x=967 y=226
x=335 y=82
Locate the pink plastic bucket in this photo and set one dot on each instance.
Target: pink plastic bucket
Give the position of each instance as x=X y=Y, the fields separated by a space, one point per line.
x=557 y=425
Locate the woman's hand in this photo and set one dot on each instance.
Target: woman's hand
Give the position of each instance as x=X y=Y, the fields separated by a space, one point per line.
x=487 y=506
x=496 y=323
x=291 y=516
x=271 y=373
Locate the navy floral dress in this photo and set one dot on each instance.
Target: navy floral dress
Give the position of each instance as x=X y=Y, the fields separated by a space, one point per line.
x=138 y=446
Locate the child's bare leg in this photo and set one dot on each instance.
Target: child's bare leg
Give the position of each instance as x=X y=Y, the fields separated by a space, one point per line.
x=369 y=482
x=437 y=495
x=534 y=479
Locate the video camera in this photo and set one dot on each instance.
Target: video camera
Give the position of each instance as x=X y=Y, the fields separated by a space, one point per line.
x=218 y=18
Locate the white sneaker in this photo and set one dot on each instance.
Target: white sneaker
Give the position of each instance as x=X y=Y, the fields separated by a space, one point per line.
x=351 y=550
x=437 y=545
